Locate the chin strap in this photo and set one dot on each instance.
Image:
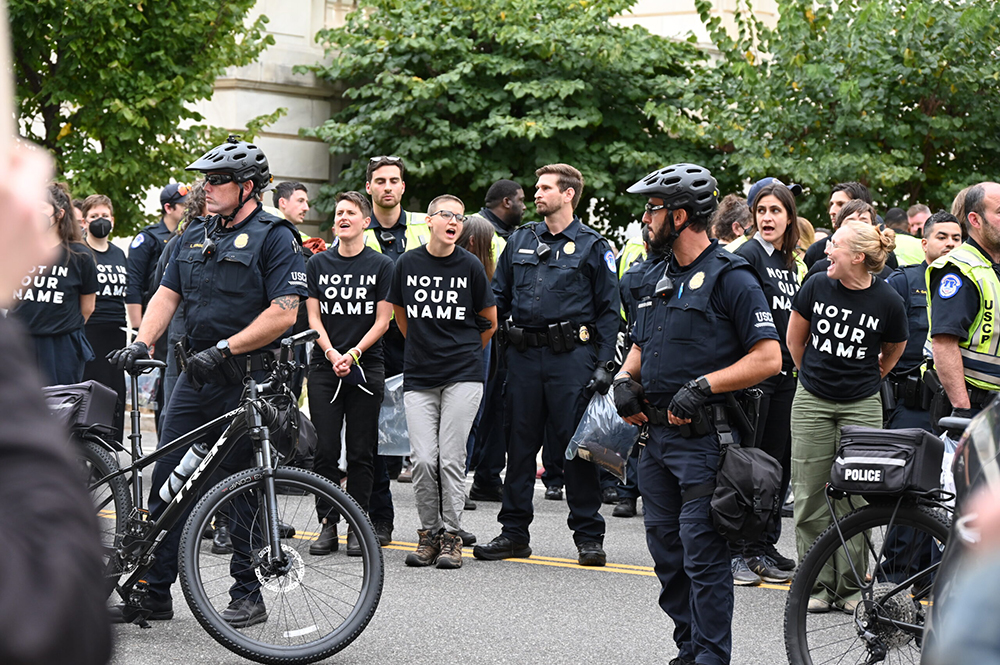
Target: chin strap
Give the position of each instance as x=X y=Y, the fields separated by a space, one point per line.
x=239 y=206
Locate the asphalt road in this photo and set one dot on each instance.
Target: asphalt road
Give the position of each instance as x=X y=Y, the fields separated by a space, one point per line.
x=544 y=610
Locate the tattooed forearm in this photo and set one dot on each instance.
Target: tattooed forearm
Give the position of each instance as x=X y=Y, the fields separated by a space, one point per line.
x=286 y=302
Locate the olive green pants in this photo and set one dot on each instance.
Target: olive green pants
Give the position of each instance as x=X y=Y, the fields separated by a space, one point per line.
x=816 y=424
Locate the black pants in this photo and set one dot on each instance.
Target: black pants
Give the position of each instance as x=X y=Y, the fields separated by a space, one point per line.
x=490 y=450
x=105 y=338
x=360 y=410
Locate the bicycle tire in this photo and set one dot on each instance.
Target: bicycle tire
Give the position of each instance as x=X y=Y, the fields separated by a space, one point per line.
x=316 y=608
x=834 y=636
x=112 y=503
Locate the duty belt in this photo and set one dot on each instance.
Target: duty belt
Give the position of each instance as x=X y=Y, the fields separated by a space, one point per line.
x=561 y=337
x=707 y=419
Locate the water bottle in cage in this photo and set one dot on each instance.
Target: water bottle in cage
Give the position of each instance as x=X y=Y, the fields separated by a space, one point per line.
x=191 y=460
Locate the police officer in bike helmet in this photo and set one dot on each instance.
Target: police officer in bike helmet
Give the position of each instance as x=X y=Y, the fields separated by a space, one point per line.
x=703 y=328
x=239 y=275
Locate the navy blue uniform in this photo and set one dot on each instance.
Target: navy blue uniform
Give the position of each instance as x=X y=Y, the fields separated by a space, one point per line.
x=253 y=263
x=716 y=313
x=909 y=282
x=545 y=392
x=143 y=254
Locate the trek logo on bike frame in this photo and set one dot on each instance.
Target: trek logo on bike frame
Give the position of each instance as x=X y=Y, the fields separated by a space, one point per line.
x=204 y=463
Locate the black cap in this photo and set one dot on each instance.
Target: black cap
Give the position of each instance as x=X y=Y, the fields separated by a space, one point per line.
x=174 y=193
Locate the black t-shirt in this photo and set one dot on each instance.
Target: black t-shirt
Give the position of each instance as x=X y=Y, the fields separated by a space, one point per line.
x=441 y=296
x=48 y=299
x=780 y=284
x=348 y=290
x=846 y=330
x=112 y=272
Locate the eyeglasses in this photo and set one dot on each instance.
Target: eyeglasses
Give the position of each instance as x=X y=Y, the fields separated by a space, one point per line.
x=652 y=208
x=216 y=179
x=385 y=158
x=448 y=215
x=831 y=245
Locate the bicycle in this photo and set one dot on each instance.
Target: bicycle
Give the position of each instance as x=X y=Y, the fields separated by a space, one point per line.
x=317 y=605
x=877 y=566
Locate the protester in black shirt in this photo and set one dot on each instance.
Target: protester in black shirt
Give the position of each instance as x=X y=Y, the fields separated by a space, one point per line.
x=348 y=290
x=106 y=326
x=847 y=331
x=55 y=300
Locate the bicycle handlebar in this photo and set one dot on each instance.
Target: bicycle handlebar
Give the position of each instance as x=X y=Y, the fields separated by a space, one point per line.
x=954 y=424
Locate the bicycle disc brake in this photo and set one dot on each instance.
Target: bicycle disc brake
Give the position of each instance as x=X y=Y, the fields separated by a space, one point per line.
x=283 y=578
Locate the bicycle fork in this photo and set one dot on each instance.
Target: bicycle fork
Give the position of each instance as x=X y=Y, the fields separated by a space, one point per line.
x=261 y=438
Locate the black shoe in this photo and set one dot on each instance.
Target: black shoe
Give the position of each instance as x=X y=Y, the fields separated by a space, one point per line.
x=553 y=493
x=162 y=610
x=591 y=554
x=285 y=530
x=625 y=508
x=501 y=547
x=681 y=661
x=221 y=542
x=384 y=532
x=244 y=612
x=353 y=545
x=327 y=540
x=788 y=509
x=767 y=571
x=478 y=493
x=467 y=538
x=609 y=495
x=469 y=504
x=777 y=560
x=208 y=532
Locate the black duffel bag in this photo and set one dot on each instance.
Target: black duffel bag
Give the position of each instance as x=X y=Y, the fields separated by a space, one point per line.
x=87 y=405
x=881 y=462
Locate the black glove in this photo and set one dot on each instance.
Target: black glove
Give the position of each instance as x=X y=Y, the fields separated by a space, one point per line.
x=482 y=323
x=203 y=367
x=600 y=381
x=628 y=396
x=688 y=400
x=124 y=359
x=962 y=413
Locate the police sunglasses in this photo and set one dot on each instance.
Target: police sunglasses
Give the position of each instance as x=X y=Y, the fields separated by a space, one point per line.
x=216 y=179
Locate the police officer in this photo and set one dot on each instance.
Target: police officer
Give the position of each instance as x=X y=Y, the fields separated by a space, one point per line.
x=146 y=248
x=703 y=329
x=904 y=384
x=239 y=275
x=963 y=290
x=556 y=281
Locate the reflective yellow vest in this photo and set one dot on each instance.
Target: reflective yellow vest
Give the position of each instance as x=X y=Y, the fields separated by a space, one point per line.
x=632 y=251
x=734 y=245
x=981 y=350
x=909 y=250
x=417 y=231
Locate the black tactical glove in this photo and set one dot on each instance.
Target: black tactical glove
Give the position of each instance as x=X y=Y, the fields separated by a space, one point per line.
x=962 y=413
x=628 y=396
x=600 y=381
x=124 y=359
x=482 y=323
x=203 y=367
x=689 y=398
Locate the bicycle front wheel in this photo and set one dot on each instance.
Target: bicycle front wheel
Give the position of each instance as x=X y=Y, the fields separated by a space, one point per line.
x=305 y=608
x=870 y=597
x=112 y=503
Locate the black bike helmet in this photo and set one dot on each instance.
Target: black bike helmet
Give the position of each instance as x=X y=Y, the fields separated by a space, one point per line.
x=244 y=160
x=686 y=186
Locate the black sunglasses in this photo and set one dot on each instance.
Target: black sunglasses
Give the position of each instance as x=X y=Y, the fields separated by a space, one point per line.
x=385 y=158
x=216 y=179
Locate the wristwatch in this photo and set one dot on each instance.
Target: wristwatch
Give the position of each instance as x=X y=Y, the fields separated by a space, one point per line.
x=223 y=347
x=704 y=385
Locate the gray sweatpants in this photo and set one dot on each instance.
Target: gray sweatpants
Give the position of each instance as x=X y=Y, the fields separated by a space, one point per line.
x=439 y=421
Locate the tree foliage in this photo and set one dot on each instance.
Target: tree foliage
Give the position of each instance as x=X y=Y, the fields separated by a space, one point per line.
x=902 y=95
x=471 y=91
x=108 y=85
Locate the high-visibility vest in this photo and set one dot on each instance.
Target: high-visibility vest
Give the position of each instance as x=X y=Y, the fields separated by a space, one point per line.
x=417 y=232
x=632 y=251
x=734 y=245
x=981 y=349
x=909 y=250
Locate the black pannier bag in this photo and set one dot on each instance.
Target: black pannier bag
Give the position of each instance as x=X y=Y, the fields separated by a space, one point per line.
x=882 y=462
x=83 y=405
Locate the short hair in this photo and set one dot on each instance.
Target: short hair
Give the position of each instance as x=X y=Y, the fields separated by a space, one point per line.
x=78 y=204
x=434 y=205
x=358 y=199
x=896 y=219
x=95 y=200
x=790 y=239
x=917 y=209
x=853 y=189
x=942 y=217
x=732 y=209
x=376 y=163
x=871 y=241
x=500 y=190
x=568 y=177
x=855 y=206
x=284 y=190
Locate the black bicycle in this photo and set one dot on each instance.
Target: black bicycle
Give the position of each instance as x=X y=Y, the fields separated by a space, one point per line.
x=316 y=605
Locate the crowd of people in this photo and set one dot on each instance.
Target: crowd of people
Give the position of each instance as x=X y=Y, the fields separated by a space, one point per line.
x=503 y=331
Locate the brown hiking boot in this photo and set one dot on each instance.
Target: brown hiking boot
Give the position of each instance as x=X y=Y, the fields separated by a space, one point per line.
x=451 y=551
x=427 y=549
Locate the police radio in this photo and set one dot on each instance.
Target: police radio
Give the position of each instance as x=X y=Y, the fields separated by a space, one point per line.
x=664 y=287
x=541 y=250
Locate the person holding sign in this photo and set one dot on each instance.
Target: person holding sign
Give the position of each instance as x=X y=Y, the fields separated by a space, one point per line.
x=445 y=308
x=348 y=289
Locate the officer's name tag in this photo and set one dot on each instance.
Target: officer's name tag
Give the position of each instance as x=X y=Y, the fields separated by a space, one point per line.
x=525 y=251
x=644 y=304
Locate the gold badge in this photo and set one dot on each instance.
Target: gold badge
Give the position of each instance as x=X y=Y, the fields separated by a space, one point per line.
x=241 y=241
x=697 y=280
x=584 y=333
x=570 y=248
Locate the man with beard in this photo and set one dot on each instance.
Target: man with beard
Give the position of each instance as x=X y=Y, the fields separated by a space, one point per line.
x=556 y=281
x=963 y=290
x=703 y=329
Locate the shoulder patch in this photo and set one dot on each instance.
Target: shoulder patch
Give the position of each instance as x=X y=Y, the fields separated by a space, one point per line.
x=138 y=240
x=949 y=286
x=609 y=259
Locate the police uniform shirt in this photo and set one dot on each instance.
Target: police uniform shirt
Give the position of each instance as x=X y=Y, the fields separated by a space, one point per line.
x=143 y=254
x=911 y=286
x=954 y=299
x=392 y=248
x=112 y=272
x=577 y=282
x=631 y=278
x=441 y=296
x=780 y=284
x=349 y=289
x=48 y=298
x=847 y=328
x=279 y=261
